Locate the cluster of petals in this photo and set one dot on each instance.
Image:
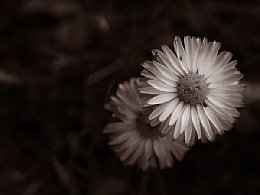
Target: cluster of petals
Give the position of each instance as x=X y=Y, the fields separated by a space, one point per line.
x=205 y=113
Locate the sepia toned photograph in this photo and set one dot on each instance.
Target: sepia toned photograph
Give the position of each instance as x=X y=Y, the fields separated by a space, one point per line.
x=110 y=97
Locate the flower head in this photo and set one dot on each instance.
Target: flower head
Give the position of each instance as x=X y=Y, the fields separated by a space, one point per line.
x=133 y=138
x=195 y=89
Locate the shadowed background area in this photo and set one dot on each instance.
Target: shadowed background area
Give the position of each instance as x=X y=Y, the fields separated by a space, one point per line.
x=61 y=60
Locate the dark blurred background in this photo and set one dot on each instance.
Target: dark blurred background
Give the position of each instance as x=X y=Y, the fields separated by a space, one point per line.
x=61 y=60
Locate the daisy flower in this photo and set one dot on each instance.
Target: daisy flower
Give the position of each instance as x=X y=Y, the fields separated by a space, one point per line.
x=132 y=137
x=195 y=89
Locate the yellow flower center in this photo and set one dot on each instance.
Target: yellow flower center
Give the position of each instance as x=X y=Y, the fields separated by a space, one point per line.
x=192 y=89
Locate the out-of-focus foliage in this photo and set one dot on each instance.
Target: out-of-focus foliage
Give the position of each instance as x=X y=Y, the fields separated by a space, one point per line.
x=61 y=60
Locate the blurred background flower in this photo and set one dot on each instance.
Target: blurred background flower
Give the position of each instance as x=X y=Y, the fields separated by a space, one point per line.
x=132 y=137
x=61 y=61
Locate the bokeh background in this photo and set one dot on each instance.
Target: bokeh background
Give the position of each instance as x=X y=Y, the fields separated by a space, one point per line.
x=61 y=60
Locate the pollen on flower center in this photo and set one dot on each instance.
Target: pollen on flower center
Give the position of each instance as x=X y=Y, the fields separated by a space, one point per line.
x=192 y=89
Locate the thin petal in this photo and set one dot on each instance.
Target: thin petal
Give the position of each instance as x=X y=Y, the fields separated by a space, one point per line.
x=157 y=111
x=194 y=54
x=159 y=99
x=177 y=128
x=195 y=121
x=227 y=114
x=188 y=49
x=151 y=90
x=175 y=63
x=188 y=132
x=185 y=118
x=162 y=86
x=169 y=61
x=148 y=75
x=176 y=113
x=205 y=123
x=220 y=103
x=166 y=72
x=222 y=59
x=213 y=118
x=181 y=54
x=169 y=109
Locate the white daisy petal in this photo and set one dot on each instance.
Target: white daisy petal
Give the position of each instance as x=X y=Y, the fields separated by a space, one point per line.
x=225 y=91
x=168 y=110
x=193 y=137
x=187 y=45
x=222 y=59
x=161 y=98
x=179 y=47
x=175 y=64
x=148 y=75
x=210 y=58
x=177 y=130
x=157 y=111
x=226 y=124
x=181 y=54
x=159 y=56
x=185 y=118
x=196 y=121
x=151 y=90
x=171 y=78
x=188 y=133
x=154 y=71
x=222 y=102
x=154 y=122
x=161 y=86
x=227 y=114
x=213 y=119
x=202 y=54
x=205 y=123
x=194 y=54
x=171 y=63
x=176 y=113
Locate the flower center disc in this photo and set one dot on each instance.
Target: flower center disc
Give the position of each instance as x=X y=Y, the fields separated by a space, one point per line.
x=192 y=89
